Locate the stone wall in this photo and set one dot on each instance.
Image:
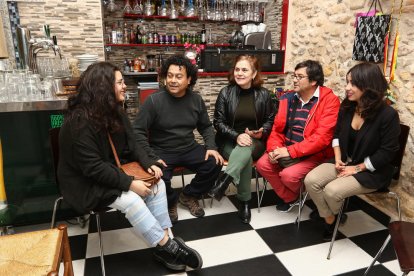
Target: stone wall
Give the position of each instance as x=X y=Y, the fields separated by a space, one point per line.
x=324 y=30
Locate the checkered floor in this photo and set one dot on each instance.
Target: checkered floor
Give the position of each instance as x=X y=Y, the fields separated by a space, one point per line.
x=270 y=245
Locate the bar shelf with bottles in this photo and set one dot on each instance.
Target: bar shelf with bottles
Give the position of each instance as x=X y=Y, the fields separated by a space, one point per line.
x=143 y=16
x=161 y=45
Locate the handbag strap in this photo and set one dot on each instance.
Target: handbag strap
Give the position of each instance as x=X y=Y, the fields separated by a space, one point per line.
x=374 y=3
x=114 y=151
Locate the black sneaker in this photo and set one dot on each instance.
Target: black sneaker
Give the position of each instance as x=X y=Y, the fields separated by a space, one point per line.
x=286 y=207
x=328 y=232
x=170 y=261
x=314 y=215
x=187 y=255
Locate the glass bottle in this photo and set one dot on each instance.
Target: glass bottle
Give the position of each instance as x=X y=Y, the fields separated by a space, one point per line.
x=156 y=37
x=119 y=34
x=178 y=35
x=138 y=37
x=203 y=35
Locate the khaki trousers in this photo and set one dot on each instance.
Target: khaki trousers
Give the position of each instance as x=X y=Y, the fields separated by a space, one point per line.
x=328 y=191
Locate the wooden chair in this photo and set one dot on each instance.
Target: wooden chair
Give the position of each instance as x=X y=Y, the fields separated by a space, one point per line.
x=36 y=253
x=405 y=130
x=54 y=142
x=402 y=236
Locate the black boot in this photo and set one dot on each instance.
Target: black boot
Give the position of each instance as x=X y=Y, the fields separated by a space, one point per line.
x=244 y=211
x=221 y=186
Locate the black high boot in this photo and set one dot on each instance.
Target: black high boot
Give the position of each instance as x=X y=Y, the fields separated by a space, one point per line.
x=244 y=211
x=221 y=186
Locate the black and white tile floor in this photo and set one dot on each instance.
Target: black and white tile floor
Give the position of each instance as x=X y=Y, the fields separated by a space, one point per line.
x=270 y=245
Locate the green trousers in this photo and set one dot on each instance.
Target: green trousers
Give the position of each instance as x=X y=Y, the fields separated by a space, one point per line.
x=239 y=166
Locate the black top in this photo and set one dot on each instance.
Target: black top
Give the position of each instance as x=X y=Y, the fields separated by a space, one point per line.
x=166 y=123
x=225 y=110
x=377 y=139
x=245 y=114
x=88 y=176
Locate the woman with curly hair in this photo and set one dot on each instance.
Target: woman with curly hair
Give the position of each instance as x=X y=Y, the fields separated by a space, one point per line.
x=365 y=142
x=89 y=178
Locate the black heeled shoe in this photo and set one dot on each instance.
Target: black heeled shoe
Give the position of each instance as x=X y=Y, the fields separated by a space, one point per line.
x=221 y=186
x=244 y=211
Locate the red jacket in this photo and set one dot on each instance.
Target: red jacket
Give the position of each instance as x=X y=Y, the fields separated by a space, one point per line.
x=319 y=127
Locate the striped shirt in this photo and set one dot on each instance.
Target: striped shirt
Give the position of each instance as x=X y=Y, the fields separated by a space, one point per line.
x=296 y=125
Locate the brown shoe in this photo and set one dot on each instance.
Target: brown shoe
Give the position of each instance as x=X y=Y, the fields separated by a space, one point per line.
x=192 y=204
x=172 y=211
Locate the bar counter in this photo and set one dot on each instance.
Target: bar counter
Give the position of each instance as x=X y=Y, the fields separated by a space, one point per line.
x=55 y=104
x=28 y=167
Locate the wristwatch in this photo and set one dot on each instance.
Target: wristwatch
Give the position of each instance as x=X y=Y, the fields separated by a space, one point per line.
x=358 y=169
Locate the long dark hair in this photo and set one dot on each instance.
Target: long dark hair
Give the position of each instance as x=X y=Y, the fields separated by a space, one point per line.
x=370 y=80
x=96 y=99
x=254 y=63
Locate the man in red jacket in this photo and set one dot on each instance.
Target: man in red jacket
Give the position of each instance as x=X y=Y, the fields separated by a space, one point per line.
x=301 y=135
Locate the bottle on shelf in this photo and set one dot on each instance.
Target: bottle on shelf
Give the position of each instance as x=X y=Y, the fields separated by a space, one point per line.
x=178 y=35
x=119 y=34
x=138 y=36
x=156 y=36
x=126 y=65
x=114 y=36
x=203 y=35
x=132 y=35
x=126 y=34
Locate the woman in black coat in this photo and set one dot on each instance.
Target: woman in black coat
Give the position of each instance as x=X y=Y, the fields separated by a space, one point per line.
x=89 y=178
x=243 y=119
x=365 y=142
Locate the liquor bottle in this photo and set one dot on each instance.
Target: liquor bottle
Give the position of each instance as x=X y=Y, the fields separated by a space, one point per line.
x=126 y=34
x=138 y=38
x=119 y=34
x=132 y=35
x=114 y=38
x=178 y=36
x=156 y=37
x=203 y=35
x=126 y=65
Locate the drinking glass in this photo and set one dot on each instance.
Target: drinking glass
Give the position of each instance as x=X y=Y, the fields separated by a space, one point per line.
x=112 y=6
x=127 y=7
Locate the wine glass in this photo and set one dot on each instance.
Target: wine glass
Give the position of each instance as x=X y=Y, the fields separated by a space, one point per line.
x=112 y=6
x=127 y=7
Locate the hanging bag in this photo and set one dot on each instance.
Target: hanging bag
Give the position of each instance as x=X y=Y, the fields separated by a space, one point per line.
x=370 y=35
x=133 y=168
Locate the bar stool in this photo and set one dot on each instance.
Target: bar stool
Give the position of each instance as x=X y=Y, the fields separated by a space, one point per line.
x=36 y=253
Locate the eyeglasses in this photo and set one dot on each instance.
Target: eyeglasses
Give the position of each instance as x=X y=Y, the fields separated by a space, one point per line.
x=298 y=77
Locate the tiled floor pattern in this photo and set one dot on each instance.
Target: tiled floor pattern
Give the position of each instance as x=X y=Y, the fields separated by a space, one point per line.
x=270 y=245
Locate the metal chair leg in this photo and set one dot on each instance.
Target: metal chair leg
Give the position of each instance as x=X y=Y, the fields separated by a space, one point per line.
x=263 y=191
x=387 y=240
x=182 y=178
x=378 y=255
x=98 y=225
x=302 y=200
x=57 y=201
x=257 y=189
x=338 y=219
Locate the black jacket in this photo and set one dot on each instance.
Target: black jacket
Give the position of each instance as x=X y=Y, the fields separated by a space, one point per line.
x=226 y=105
x=377 y=139
x=88 y=176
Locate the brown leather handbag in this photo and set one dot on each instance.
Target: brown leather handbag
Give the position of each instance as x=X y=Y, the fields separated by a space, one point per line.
x=133 y=168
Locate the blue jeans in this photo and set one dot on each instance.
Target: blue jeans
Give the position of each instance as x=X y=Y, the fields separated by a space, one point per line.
x=147 y=215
